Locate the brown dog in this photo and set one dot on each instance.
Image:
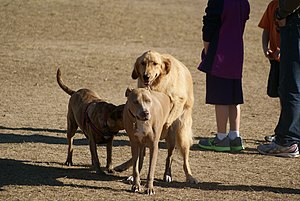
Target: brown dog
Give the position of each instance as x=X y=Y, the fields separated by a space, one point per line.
x=145 y=115
x=164 y=73
x=98 y=120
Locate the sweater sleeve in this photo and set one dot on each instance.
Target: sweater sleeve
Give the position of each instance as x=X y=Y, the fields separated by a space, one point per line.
x=286 y=7
x=212 y=19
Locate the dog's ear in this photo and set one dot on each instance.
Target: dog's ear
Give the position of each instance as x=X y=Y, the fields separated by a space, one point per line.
x=135 y=73
x=128 y=91
x=167 y=65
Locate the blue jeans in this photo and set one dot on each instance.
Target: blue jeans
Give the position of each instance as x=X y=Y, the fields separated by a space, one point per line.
x=288 y=127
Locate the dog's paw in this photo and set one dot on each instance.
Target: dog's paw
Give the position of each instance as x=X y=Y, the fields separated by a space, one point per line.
x=69 y=163
x=150 y=191
x=192 y=180
x=129 y=180
x=135 y=188
x=168 y=178
x=110 y=169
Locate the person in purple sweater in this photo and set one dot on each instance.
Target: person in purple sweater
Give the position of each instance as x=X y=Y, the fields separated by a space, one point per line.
x=222 y=61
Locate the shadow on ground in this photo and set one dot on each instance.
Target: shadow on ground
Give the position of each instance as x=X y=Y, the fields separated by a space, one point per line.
x=17 y=172
x=43 y=138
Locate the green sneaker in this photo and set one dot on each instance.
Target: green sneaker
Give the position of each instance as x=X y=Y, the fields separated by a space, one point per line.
x=215 y=144
x=236 y=144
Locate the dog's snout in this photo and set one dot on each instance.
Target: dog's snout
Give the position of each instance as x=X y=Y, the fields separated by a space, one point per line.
x=144 y=115
x=146 y=77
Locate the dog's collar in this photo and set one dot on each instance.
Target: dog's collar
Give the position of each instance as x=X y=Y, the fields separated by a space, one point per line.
x=134 y=117
x=132 y=114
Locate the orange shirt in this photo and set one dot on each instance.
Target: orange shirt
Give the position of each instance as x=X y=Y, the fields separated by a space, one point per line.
x=268 y=22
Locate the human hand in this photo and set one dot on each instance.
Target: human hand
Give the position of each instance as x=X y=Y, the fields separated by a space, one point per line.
x=269 y=54
x=273 y=55
x=280 y=23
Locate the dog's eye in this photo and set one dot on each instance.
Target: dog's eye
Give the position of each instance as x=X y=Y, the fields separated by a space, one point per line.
x=148 y=101
x=154 y=63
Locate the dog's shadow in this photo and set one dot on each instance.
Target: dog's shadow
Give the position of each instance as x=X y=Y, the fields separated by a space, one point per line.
x=31 y=173
x=24 y=173
x=37 y=137
x=216 y=186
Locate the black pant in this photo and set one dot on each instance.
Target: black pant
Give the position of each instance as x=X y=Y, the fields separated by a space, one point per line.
x=273 y=79
x=288 y=127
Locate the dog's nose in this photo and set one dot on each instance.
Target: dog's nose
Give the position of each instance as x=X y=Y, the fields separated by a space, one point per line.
x=144 y=115
x=146 y=77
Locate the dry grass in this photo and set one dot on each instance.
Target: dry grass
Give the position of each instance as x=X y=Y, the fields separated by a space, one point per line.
x=95 y=43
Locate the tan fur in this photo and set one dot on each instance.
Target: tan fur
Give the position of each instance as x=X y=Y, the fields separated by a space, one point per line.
x=106 y=117
x=145 y=115
x=164 y=73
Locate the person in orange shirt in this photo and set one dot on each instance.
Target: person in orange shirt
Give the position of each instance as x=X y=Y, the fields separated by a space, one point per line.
x=271 y=49
x=271 y=46
x=287 y=139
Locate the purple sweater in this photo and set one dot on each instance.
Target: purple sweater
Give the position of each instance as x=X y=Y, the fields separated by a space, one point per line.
x=223 y=27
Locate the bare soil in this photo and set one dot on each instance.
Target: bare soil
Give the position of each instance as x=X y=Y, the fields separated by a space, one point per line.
x=95 y=43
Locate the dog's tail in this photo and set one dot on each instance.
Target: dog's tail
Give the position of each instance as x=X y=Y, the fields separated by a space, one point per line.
x=62 y=85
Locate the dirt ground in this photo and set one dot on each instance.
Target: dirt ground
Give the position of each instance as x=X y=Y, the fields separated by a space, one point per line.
x=95 y=43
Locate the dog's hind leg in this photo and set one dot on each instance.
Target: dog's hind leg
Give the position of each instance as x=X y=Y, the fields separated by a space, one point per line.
x=170 y=140
x=71 y=130
x=109 y=165
x=184 y=141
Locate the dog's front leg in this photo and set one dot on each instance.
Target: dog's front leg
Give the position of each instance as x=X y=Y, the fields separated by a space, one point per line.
x=175 y=112
x=150 y=178
x=94 y=155
x=135 y=150
x=141 y=158
x=109 y=165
